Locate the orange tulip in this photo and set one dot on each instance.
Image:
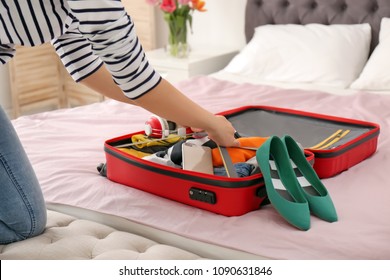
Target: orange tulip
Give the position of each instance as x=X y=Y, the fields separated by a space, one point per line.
x=198 y=5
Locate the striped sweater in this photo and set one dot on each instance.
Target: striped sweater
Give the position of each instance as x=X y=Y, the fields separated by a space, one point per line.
x=85 y=34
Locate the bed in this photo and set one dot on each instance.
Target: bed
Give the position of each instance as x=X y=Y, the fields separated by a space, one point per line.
x=65 y=146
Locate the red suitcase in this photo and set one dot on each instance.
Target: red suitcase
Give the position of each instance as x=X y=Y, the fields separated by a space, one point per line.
x=237 y=196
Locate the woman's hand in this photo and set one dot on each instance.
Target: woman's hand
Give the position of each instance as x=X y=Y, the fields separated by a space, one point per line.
x=221 y=132
x=168 y=102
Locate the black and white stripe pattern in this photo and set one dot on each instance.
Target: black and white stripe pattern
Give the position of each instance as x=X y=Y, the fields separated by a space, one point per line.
x=85 y=34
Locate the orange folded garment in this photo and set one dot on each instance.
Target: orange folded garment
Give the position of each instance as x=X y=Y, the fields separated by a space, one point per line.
x=237 y=154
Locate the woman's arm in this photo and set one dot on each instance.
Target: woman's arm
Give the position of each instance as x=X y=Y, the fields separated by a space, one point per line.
x=124 y=72
x=101 y=81
x=168 y=102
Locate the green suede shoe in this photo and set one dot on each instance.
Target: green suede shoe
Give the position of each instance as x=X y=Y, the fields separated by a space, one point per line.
x=320 y=203
x=281 y=184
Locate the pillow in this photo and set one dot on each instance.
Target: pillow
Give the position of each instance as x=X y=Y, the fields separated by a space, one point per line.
x=330 y=55
x=375 y=75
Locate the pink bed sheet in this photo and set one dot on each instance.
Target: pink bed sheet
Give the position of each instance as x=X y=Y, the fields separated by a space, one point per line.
x=65 y=146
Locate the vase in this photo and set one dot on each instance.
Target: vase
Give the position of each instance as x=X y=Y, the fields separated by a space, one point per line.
x=177 y=38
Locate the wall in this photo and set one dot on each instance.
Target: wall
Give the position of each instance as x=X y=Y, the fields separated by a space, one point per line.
x=222 y=25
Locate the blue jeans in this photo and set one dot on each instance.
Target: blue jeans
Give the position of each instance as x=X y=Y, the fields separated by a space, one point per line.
x=243 y=169
x=22 y=206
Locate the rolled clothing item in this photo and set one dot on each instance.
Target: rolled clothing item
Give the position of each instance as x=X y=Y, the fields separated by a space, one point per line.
x=237 y=154
x=141 y=141
x=161 y=160
x=175 y=152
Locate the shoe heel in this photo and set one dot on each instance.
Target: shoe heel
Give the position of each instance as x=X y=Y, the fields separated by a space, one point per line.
x=320 y=202
x=281 y=183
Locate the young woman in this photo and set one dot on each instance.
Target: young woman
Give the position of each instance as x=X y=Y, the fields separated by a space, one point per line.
x=97 y=44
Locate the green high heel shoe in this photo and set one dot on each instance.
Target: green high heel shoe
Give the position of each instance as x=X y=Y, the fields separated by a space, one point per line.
x=281 y=184
x=320 y=202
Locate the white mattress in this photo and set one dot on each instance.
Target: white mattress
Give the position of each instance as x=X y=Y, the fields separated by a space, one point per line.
x=176 y=241
x=67 y=237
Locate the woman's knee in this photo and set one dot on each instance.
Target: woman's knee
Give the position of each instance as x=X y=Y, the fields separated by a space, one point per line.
x=23 y=229
x=40 y=223
x=34 y=222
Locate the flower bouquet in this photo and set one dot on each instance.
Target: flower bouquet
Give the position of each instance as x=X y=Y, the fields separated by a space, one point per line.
x=178 y=15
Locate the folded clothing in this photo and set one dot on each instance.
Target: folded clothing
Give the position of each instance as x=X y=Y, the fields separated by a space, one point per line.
x=161 y=158
x=242 y=169
x=239 y=154
x=141 y=141
x=149 y=145
x=172 y=152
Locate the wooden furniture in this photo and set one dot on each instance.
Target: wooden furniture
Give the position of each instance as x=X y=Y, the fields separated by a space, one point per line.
x=39 y=81
x=36 y=81
x=144 y=17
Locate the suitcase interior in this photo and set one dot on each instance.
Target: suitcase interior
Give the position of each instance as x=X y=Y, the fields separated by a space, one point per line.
x=309 y=129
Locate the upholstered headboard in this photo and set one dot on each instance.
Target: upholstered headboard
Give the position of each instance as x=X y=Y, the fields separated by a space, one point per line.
x=261 y=12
